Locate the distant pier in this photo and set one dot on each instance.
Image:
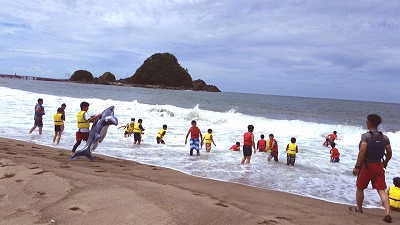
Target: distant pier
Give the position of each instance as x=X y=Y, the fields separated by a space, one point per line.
x=25 y=77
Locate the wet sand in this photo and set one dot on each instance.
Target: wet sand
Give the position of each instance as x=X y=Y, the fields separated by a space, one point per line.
x=40 y=185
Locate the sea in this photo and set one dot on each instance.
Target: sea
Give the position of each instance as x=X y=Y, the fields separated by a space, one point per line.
x=309 y=120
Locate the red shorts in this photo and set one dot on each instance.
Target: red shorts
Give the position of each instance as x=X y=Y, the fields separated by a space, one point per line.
x=373 y=172
x=82 y=136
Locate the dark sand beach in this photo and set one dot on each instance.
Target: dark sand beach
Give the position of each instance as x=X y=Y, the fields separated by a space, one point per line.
x=40 y=185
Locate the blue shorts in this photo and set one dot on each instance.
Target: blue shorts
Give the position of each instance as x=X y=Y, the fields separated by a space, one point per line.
x=195 y=144
x=335 y=160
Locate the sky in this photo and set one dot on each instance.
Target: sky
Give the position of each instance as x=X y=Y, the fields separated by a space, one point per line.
x=327 y=49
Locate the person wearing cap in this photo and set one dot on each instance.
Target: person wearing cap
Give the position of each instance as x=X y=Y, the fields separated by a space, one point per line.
x=39 y=113
x=84 y=120
x=128 y=128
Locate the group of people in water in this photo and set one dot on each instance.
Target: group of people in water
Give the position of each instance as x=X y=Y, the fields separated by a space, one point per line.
x=373 y=157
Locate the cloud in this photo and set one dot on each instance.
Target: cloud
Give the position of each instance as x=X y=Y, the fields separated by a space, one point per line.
x=296 y=45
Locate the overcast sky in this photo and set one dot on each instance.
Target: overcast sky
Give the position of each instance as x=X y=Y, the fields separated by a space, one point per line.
x=329 y=49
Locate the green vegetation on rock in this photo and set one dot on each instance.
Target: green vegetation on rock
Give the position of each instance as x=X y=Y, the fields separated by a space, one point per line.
x=162 y=69
x=81 y=76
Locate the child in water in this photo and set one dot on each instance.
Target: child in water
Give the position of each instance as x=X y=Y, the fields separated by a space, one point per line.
x=128 y=128
x=58 y=124
x=161 y=134
x=394 y=194
x=235 y=147
x=137 y=132
x=208 y=139
x=326 y=143
x=273 y=146
x=334 y=153
x=262 y=144
x=195 y=133
x=291 y=150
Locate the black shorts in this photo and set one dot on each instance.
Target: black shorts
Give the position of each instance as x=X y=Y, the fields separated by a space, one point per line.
x=38 y=121
x=57 y=128
x=247 y=150
x=137 y=137
x=159 y=140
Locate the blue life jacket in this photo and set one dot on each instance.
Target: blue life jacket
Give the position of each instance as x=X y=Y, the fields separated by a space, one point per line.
x=375 y=148
x=41 y=108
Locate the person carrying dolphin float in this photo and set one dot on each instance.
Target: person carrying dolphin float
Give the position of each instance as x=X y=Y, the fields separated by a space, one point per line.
x=84 y=120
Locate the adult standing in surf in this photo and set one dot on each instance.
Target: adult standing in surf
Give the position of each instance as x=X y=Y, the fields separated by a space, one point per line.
x=39 y=113
x=370 y=165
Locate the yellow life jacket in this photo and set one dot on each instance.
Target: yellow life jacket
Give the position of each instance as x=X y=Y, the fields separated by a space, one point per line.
x=160 y=133
x=292 y=149
x=57 y=119
x=394 y=197
x=82 y=123
x=136 y=128
x=129 y=127
x=207 y=138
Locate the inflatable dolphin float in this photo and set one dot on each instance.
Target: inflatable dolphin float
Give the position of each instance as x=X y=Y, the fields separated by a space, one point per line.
x=97 y=133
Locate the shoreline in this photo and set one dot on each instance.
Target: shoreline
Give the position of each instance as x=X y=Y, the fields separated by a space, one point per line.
x=39 y=184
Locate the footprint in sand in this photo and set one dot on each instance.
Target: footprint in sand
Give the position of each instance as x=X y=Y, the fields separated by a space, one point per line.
x=34 y=167
x=284 y=218
x=40 y=172
x=126 y=169
x=11 y=153
x=75 y=208
x=64 y=166
x=268 y=222
x=119 y=165
x=36 y=147
x=41 y=192
x=99 y=171
x=20 y=145
x=19 y=180
x=8 y=175
x=220 y=203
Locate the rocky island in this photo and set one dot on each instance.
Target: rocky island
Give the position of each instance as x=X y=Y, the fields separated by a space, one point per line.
x=161 y=70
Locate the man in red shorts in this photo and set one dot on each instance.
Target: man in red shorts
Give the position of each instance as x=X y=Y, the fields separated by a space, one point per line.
x=370 y=165
x=84 y=120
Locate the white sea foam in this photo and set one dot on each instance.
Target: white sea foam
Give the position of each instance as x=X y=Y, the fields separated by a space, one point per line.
x=312 y=174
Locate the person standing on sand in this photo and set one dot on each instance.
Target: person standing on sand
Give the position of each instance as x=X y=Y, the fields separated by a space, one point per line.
x=369 y=165
x=248 y=142
x=39 y=113
x=84 y=120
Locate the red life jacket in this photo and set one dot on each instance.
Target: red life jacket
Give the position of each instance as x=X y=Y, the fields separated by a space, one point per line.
x=194 y=132
x=234 y=148
x=247 y=139
x=261 y=145
x=332 y=137
x=273 y=147
x=335 y=153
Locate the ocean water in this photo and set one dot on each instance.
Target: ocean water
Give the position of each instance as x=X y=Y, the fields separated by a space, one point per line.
x=310 y=120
